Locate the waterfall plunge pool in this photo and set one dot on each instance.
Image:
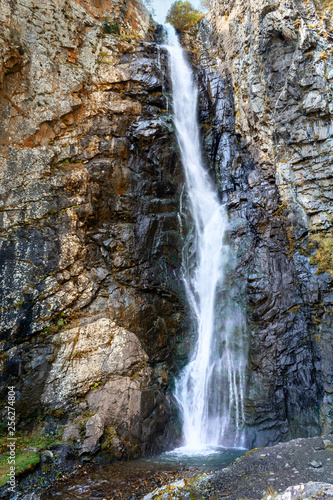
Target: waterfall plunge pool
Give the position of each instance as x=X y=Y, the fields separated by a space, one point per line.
x=207 y=459
x=134 y=479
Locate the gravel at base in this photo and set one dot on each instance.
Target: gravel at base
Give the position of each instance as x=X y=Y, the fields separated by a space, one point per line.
x=256 y=475
x=274 y=469
x=312 y=491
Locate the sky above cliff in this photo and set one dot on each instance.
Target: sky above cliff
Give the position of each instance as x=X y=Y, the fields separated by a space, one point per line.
x=162 y=6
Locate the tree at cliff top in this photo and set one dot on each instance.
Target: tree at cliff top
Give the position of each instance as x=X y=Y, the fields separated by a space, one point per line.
x=182 y=15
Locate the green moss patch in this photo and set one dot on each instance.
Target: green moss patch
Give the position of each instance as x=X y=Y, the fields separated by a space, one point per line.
x=27 y=448
x=323 y=257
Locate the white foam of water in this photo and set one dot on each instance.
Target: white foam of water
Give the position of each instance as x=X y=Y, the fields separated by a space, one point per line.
x=210 y=390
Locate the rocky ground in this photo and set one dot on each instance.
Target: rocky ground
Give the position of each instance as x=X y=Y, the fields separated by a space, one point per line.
x=265 y=473
x=276 y=468
x=301 y=468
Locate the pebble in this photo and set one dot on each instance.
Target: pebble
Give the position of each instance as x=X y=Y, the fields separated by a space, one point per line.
x=315 y=464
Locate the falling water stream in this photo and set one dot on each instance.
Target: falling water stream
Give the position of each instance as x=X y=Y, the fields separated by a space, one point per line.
x=210 y=390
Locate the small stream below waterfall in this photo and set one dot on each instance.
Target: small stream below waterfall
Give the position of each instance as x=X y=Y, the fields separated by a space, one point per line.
x=136 y=478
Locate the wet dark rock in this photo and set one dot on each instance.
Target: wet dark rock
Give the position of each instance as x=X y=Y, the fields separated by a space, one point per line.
x=252 y=75
x=94 y=216
x=91 y=184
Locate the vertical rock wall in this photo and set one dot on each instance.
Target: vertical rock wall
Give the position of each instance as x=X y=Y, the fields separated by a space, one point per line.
x=265 y=69
x=91 y=295
x=93 y=316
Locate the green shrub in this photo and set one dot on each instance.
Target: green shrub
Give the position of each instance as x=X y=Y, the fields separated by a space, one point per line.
x=111 y=29
x=182 y=15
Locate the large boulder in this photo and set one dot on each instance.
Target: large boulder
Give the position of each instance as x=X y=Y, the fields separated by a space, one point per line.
x=101 y=373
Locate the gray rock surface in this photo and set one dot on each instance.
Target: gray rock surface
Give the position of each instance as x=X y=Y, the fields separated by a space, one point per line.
x=94 y=321
x=276 y=472
x=91 y=292
x=264 y=72
x=307 y=491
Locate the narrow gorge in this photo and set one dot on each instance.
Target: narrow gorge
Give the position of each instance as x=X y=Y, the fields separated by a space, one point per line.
x=99 y=249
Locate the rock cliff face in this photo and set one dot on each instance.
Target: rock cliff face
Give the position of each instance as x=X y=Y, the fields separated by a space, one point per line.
x=265 y=69
x=92 y=301
x=93 y=315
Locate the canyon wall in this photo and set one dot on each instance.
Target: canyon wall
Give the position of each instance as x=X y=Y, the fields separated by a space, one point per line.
x=92 y=302
x=266 y=71
x=94 y=321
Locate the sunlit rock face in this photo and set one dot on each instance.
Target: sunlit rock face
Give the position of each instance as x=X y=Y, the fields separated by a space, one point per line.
x=265 y=70
x=90 y=185
x=94 y=321
x=105 y=367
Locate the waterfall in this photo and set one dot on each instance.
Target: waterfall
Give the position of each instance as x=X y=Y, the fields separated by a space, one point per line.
x=210 y=389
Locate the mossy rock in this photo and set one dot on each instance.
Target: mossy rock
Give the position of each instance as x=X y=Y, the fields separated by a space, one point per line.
x=24 y=462
x=323 y=257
